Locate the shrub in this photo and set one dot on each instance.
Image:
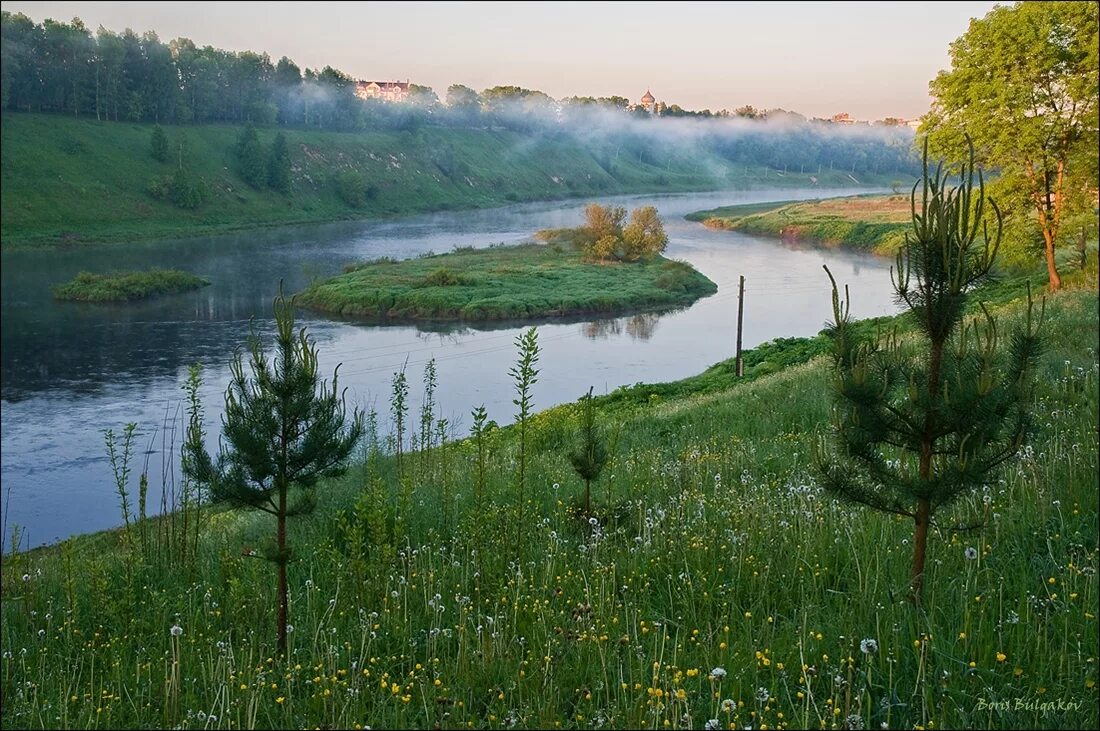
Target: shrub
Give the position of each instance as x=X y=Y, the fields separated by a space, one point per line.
x=353 y=189
x=444 y=277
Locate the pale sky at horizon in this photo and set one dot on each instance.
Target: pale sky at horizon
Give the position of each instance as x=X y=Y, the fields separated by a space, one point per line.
x=872 y=60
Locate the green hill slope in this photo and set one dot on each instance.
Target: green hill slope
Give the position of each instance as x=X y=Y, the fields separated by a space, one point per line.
x=67 y=181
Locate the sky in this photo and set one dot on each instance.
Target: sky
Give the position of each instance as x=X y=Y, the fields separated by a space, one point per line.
x=870 y=59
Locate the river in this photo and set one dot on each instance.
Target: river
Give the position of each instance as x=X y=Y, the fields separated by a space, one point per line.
x=71 y=371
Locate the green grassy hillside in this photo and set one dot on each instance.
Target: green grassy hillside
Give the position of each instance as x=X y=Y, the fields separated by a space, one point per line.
x=715 y=580
x=67 y=181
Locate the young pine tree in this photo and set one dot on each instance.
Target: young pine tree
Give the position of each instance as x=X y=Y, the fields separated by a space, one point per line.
x=285 y=429
x=591 y=455
x=250 y=157
x=158 y=144
x=923 y=422
x=278 y=165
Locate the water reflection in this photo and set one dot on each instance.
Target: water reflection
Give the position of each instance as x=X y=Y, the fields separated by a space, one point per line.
x=640 y=326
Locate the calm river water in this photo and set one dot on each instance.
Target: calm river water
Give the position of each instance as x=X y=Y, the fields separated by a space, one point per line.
x=71 y=371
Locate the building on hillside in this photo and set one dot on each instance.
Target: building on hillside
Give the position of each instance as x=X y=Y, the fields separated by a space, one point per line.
x=842 y=118
x=387 y=91
x=648 y=102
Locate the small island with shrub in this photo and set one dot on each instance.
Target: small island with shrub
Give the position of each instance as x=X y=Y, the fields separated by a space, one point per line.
x=606 y=266
x=126 y=286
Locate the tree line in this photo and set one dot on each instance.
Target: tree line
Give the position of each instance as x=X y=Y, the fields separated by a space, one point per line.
x=65 y=68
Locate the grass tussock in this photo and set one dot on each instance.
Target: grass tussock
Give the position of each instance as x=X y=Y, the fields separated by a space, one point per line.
x=127 y=286
x=500 y=282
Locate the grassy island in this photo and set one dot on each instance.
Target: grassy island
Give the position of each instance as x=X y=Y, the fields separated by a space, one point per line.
x=872 y=223
x=505 y=282
x=126 y=286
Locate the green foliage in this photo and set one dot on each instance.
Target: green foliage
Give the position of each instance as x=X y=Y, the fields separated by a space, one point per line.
x=399 y=407
x=250 y=157
x=1023 y=86
x=873 y=223
x=278 y=165
x=717 y=521
x=444 y=277
x=52 y=197
x=603 y=236
x=524 y=377
x=284 y=430
x=353 y=189
x=158 y=144
x=590 y=456
x=644 y=237
x=126 y=286
x=502 y=283
x=182 y=187
x=919 y=425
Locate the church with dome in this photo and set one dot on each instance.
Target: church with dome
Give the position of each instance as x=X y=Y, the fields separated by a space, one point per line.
x=648 y=102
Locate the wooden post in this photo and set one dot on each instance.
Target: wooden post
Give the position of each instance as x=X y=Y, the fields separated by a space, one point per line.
x=740 y=319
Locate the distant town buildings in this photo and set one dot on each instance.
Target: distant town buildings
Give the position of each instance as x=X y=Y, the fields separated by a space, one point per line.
x=845 y=118
x=387 y=91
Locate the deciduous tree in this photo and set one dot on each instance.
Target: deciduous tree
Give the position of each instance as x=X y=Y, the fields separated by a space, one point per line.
x=1023 y=86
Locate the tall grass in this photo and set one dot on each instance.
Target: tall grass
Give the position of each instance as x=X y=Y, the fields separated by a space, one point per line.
x=712 y=582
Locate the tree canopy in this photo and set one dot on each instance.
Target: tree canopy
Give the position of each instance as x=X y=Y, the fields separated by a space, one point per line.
x=1023 y=85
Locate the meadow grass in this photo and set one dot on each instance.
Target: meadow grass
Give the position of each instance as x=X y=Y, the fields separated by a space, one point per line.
x=69 y=182
x=871 y=223
x=126 y=286
x=504 y=282
x=713 y=582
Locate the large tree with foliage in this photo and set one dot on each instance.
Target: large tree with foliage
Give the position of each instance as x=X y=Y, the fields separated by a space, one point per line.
x=922 y=421
x=284 y=430
x=1023 y=86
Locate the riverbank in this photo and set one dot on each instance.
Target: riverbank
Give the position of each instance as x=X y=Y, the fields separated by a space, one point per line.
x=502 y=283
x=873 y=223
x=711 y=537
x=69 y=182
